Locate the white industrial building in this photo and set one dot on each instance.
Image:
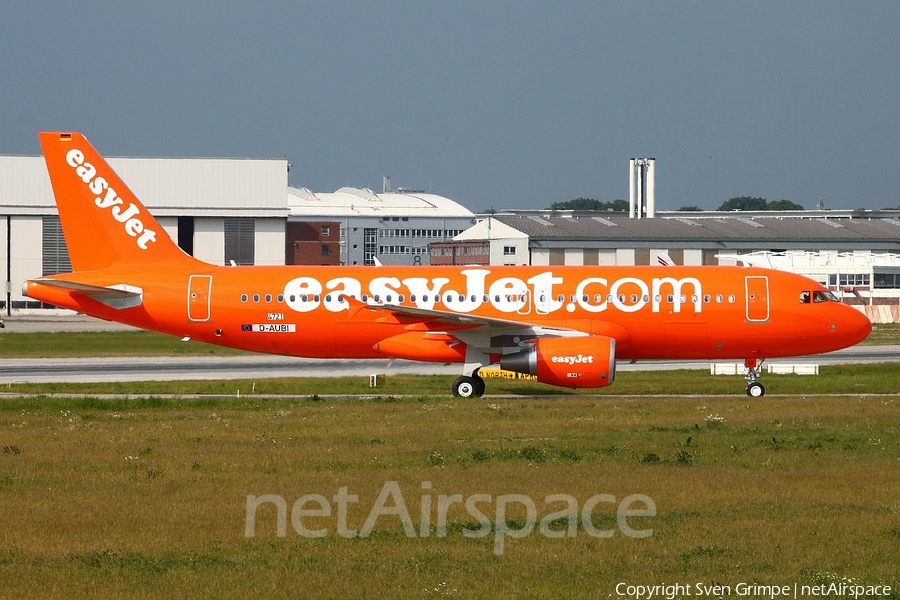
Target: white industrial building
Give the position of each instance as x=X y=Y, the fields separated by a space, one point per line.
x=396 y=227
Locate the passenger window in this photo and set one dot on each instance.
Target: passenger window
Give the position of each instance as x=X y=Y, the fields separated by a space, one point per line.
x=804 y=297
x=256 y=297
x=706 y=298
x=280 y=298
x=719 y=298
x=268 y=297
x=243 y=297
x=730 y=298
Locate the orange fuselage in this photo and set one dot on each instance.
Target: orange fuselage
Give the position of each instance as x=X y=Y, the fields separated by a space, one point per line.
x=651 y=312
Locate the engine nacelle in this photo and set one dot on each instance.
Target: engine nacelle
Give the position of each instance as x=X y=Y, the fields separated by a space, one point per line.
x=582 y=362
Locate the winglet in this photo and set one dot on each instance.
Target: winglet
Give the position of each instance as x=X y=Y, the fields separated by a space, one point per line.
x=117 y=296
x=103 y=221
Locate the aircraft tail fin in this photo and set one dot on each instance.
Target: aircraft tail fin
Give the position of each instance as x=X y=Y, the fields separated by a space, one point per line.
x=102 y=220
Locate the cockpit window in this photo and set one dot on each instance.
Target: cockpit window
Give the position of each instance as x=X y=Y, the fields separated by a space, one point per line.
x=817 y=296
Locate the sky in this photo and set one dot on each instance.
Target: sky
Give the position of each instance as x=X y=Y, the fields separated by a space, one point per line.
x=493 y=104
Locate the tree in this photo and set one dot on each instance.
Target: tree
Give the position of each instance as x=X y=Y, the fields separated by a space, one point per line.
x=748 y=203
x=690 y=207
x=783 y=205
x=589 y=204
x=744 y=203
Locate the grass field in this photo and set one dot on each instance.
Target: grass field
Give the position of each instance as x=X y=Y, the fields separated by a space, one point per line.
x=147 y=497
x=145 y=493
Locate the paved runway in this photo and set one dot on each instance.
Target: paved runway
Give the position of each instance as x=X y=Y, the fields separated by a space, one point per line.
x=33 y=324
x=31 y=370
x=263 y=366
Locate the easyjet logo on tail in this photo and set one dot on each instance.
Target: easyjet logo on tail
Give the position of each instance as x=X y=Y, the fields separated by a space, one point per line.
x=107 y=198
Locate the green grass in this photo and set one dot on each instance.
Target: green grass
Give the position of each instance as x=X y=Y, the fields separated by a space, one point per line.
x=147 y=497
x=74 y=344
x=143 y=494
x=883 y=333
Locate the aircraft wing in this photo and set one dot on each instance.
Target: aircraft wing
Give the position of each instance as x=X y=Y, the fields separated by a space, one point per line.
x=490 y=335
x=117 y=296
x=452 y=318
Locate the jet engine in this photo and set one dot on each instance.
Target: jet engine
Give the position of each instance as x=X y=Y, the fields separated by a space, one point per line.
x=582 y=362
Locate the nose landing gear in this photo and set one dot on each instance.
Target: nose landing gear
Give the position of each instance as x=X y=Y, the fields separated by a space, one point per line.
x=754 y=388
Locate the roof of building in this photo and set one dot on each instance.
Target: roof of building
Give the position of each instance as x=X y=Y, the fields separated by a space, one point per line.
x=350 y=201
x=730 y=229
x=203 y=186
x=489 y=229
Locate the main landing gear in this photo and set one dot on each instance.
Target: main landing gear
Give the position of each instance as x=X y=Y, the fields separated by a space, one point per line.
x=469 y=386
x=754 y=388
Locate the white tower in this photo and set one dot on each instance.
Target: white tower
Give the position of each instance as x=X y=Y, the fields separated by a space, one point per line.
x=641 y=188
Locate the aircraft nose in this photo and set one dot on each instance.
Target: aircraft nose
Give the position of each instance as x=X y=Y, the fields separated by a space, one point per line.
x=854 y=326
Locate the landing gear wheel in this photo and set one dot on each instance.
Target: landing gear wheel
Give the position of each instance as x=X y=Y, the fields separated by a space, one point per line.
x=756 y=390
x=479 y=386
x=468 y=387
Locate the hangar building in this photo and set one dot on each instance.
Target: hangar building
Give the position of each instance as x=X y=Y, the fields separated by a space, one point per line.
x=855 y=253
x=223 y=210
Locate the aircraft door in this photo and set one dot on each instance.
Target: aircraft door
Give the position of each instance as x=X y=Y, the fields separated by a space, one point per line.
x=199 y=295
x=757 y=288
x=523 y=302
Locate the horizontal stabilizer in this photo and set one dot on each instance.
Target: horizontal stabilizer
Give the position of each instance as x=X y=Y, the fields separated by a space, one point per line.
x=117 y=296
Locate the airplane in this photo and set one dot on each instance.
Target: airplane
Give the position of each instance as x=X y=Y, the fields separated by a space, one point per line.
x=566 y=325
